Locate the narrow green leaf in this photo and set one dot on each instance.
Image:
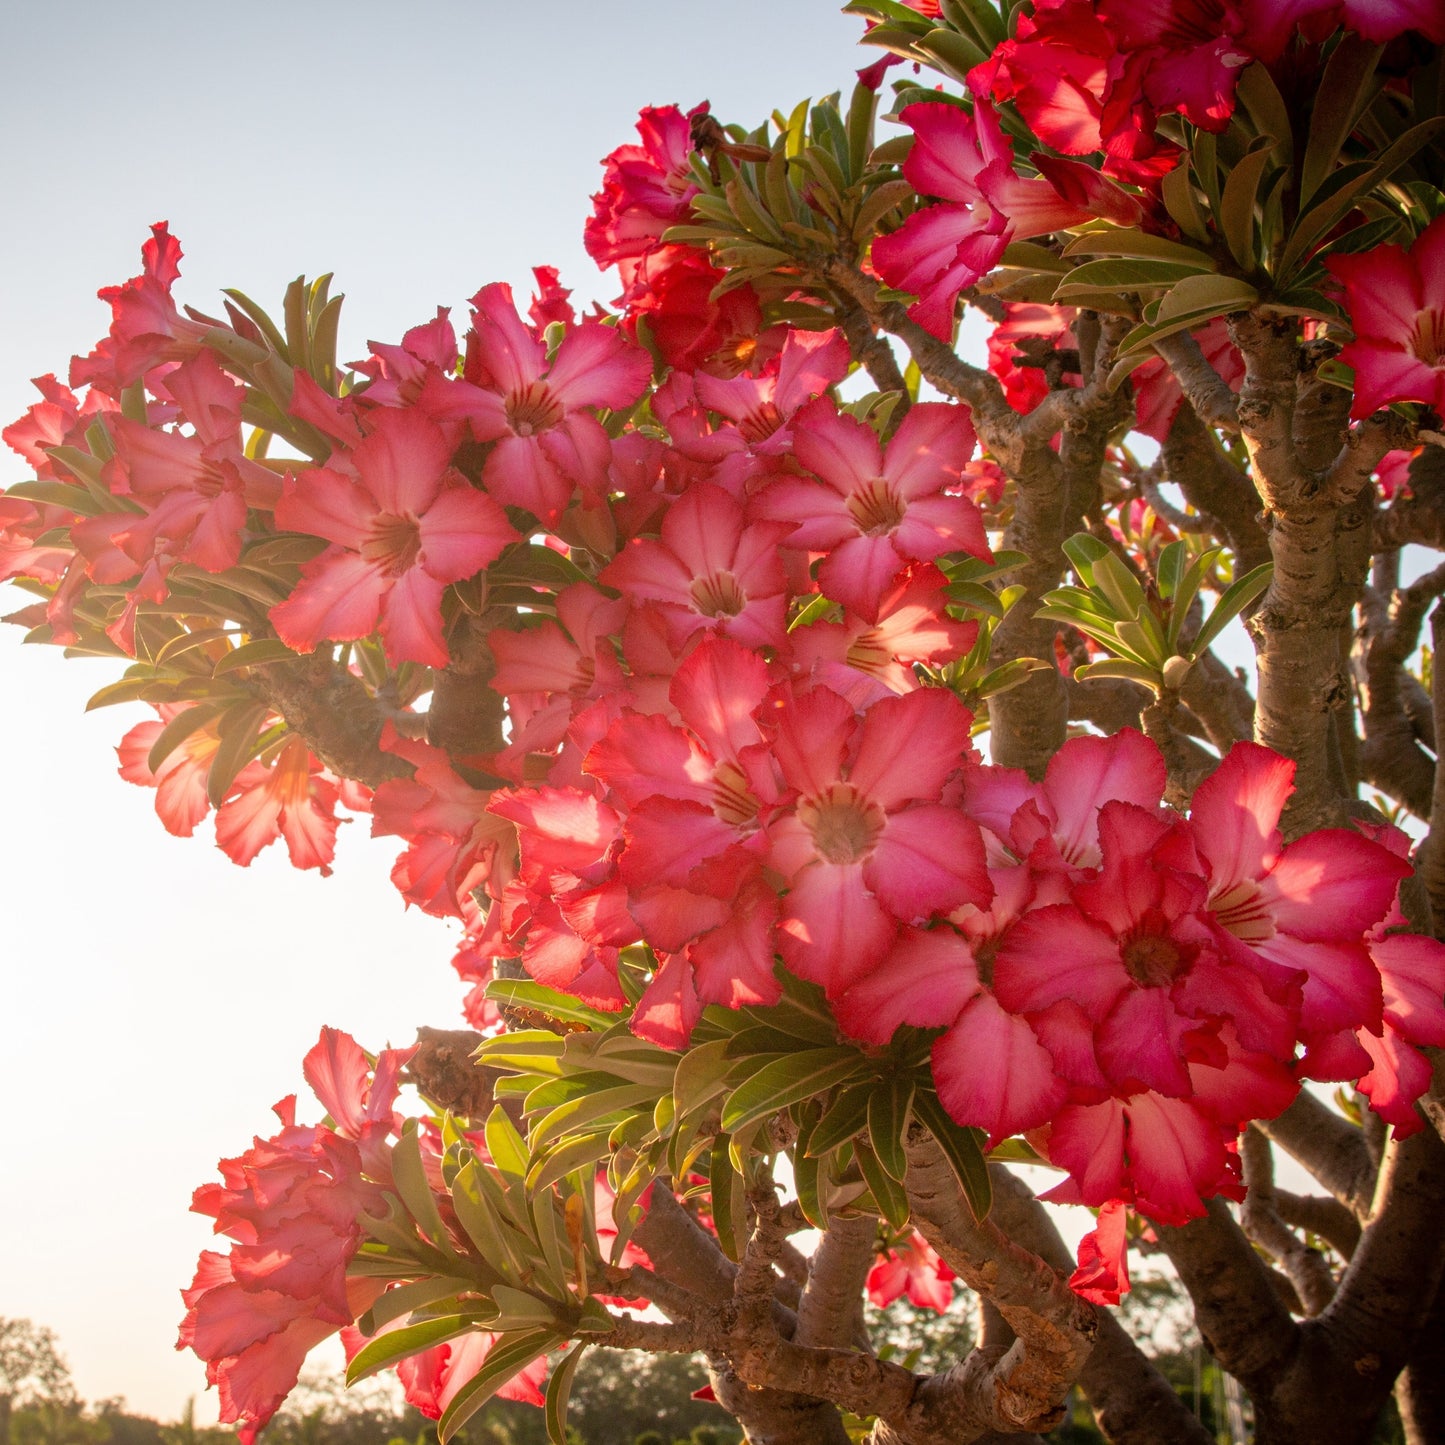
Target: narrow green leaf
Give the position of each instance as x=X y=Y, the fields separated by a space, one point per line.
x=518 y=1309
x=963 y=1148
x=238 y=726
x=1206 y=295
x=785 y=1081
x=1120 y=668
x=536 y=998
x=889 y=1107
x=1237 y=204
x=385 y=1350
x=579 y=1151
x=253 y=654
x=409 y=1175
x=1130 y=241
x=559 y=1391
x=1235 y=599
x=180 y=727
x=1259 y=95
x=405 y=1298
x=844 y=1119
x=723 y=1180
x=1344 y=91
x=506 y=1146
x=510 y=1354
x=888 y=1194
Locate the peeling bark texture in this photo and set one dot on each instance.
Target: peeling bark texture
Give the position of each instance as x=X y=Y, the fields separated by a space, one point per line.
x=1133 y=1403
x=1431 y=856
x=333 y=711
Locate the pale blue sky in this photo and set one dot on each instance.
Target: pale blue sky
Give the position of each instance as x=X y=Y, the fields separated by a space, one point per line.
x=155 y=1000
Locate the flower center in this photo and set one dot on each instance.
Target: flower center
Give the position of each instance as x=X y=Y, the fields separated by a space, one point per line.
x=732 y=800
x=844 y=825
x=876 y=507
x=718 y=595
x=533 y=410
x=1427 y=339
x=760 y=423
x=1152 y=960
x=394 y=542
x=1242 y=911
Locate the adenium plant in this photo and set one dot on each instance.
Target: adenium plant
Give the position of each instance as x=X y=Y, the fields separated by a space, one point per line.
x=822 y=742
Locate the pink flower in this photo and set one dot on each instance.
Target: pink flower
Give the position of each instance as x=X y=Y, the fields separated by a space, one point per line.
x=402 y=524
x=868 y=846
x=1102 y=1277
x=710 y=570
x=196 y=489
x=967 y=162
x=293 y=1204
x=293 y=798
x=1301 y=907
x=877 y=508
x=1396 y=303
x=146 y=329
x=548 y=445
x=910 y=1266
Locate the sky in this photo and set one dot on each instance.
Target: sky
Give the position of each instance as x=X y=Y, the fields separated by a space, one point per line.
x=156 y=1000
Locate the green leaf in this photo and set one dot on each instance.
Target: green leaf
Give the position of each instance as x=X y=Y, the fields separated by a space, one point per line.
x=888 y=1194
x=577 y=1152
x=559 y=1391
x=79 y=500
x=1083 y=550
x=535 y=998
x=963 y=1148
x=238 y=726
x=786 y=1081
x=722 y=1182
x=409 y=1175
x=403 y=1299
x=1235 y=599
x=517 y=1309
x=1259 y=95
x=1120 y=668
x=510 y=1354
x=594 y=1109
x=385 y=1350
x=506 y=1146
x=180 y=727
x=1236 y=206
x=253 y=654
x=1126 y=273
x=889 y=1107
x=1344 y=91
x=1130 y=241
x=1205 y=296
x=954 y=54
x=844 y=1119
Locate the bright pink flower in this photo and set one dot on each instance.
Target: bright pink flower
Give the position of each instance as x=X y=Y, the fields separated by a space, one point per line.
x=670 y=299
x=1271 y=23
x=1395 y=300
x=1299 y=907
x=293 y=1204
x=60 y=419
x=710 y=570
x=431 y=1379
x=1102 y=1277
x=180 y=781
x=22 y=525
x=398 y=373
x=868 y=846
x=864 y=660
x=402 y=524
x=877 y=508
x=548 y=444
x=196 y=489
x=967 y=161
x=645 y=189
x=293 y=798
x=146 y=329
x=1024 y=322
x=911 y=1266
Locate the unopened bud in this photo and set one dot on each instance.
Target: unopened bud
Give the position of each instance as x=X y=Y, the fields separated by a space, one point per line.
x=1175 y=670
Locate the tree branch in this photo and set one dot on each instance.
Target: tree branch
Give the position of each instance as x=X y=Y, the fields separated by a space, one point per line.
x=1330 y=1147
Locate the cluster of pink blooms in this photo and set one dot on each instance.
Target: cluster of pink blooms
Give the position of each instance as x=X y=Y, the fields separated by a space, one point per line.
x=293 y=1206
x=1091 y=81
x=730 y=743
